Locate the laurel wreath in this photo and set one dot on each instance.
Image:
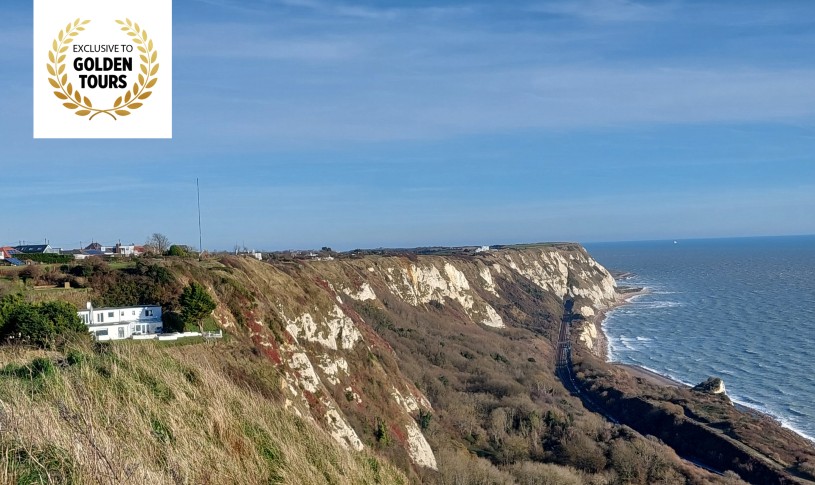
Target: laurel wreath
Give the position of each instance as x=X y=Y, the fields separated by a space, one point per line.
x=123 y=105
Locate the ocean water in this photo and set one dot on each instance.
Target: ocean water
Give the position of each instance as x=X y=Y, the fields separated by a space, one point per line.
x=740 y=309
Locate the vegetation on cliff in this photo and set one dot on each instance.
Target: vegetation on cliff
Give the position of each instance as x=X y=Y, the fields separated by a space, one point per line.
x=441 y=367
x=142 y=412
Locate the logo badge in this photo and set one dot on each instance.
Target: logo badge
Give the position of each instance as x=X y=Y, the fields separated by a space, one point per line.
x=102 y=69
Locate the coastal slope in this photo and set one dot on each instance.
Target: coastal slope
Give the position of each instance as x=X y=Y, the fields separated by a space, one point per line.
x=440 y=365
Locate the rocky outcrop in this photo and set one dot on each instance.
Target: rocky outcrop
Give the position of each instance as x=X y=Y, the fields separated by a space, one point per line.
x=713 y=385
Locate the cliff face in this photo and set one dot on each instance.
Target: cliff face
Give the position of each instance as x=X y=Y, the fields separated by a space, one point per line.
x=330 y=326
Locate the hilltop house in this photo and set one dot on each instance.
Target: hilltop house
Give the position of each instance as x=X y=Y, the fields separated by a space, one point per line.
x=37 y=249
x=122 y=322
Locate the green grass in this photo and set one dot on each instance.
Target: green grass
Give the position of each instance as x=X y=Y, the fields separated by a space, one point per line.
x=160 y=415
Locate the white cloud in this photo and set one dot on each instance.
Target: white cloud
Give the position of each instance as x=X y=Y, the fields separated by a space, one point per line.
x=605 y=11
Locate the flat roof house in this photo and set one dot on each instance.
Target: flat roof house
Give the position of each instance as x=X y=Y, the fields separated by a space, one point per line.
x=123 y=322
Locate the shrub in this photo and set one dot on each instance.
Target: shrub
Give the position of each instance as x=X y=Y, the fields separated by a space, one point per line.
x=45 y=325
x=424 y=419
x=381 y=432
x=180 y=251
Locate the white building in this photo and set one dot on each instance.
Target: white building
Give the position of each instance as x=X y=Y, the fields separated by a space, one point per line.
x=122 y=323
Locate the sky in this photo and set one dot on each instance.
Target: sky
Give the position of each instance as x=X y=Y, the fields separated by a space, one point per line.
x=356 y=123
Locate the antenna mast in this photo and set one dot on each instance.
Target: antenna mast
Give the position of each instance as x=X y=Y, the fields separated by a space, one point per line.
x=200 y=234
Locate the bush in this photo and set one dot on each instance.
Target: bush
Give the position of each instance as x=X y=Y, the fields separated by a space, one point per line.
x=180 y=251
x=39 y=367
x=45 y=325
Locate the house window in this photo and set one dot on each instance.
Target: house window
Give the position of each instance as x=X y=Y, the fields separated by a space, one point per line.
x=110 y=314
x=100 y=317
x=134 y=312
x=123 y=313
x=148 y=313
x=121 y=332
x=101 y=333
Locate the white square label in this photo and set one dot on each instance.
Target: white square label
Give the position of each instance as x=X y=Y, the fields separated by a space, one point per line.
x=103 y=69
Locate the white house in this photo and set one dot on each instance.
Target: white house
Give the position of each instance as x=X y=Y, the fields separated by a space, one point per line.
x=123 y=322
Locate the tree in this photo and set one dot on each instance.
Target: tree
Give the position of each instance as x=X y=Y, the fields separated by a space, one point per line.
x=196 y=305
x=158 y=242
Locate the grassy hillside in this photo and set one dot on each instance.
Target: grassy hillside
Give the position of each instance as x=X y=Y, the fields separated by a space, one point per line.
x=437 y=369
x=143 y=412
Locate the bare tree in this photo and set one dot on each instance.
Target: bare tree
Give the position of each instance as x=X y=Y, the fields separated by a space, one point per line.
x=158 y=242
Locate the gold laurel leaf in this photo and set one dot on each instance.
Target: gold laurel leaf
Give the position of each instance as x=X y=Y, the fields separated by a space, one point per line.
x=51 y=56
x=135 y=88
x=155 y=70
x=141 y=78
x=81 y=29
x=61 y=68
x=136 y=26
x=118 y=102
x=70 y=105
x=143 y=59
x=150 y=44
x=77 y=97
x=64 y=79
x=155 y=56
x=151 y=83
x=144 y=68
x=122 y=112
x=142 y=49
x=137 y=40
x=120 y=22
x=76 y=22
x=86 y=22
x=60 y=95
x=53 y=83
x=129 y=22
x=64 y=49
x=74 y=34
x=55 y=45
x=51 y=70
x=88 y=102
x=70 y=89
x=144 y=34
x=145 y=95
x=68 y=28
x=135 y=105
x=61 y=35
x=127 y=96
x=68 y=41
x=61 y=58
x=83 y=112
x=125 y=29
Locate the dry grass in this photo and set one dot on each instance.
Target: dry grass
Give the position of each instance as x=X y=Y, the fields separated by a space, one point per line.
x=136 y=412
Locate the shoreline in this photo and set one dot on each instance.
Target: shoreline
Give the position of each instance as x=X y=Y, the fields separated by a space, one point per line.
x=622 y=299
x=654 y=377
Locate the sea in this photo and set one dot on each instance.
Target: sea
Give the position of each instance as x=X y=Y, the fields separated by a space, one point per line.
x=740 y=309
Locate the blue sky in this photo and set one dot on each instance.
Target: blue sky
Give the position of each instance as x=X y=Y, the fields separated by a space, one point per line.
x=366 y=124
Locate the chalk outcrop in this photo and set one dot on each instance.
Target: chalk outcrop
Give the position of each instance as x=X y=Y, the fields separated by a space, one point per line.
x=713 y=385
x=319 y=322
